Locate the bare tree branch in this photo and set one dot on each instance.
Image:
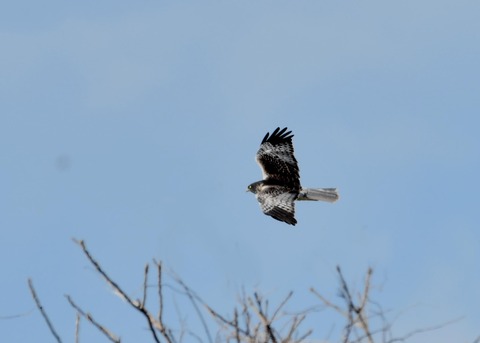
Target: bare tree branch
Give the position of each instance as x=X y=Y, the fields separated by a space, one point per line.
x=192 y=296
x=254 y=319
x=107 y=279
x=42 y=311
x=77 y=328
x=356 y=315
x=297 y=320
x=263 y=316
x=328 y=303
x=233 y=324
x=15 y=316
x=366 y=290
x=345 y=293
x=361 y=311
x=236 y=326
x=282 y=304
x=145 y=280
x=160 y=292
x=111 y=336
x=152 y=322
x=427 y=329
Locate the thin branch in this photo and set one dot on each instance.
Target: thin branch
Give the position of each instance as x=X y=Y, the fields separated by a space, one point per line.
x=366 y=290
x=15 y=316
x=245 y=312
x=192 y=296
x=287 y=298
x=152 y=322
x=352 y=309
x=145 y=280
x=160 y=292
x=166 y=333
x=427 y=329
x=304 y=336
x=107 y=279
x=42 y=311
x=297 y=320
x=220 y=318
x=77 y=328
x=360 y=310
x=235 y=325
x=327 y=303
x=365 y=327
x=354 y=314
x=344 y=288
x=111 y=336
x=266 y=323
x=255 y=331
x=386 y=326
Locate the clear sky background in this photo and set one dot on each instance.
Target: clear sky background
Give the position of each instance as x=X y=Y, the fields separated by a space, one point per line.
x=133 y=125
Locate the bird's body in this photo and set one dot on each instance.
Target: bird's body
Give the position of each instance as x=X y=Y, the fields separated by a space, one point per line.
x=280 y=187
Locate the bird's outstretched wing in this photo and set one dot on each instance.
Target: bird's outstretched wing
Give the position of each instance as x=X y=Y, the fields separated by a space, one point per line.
x=277 y=160
x=278 y=202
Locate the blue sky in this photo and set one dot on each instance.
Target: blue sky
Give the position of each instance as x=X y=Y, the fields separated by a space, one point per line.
x=134 y=125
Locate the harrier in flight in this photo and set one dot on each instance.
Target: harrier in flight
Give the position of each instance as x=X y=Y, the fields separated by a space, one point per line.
x=280 y=187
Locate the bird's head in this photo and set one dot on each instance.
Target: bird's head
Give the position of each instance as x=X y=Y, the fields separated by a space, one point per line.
x=254 y=187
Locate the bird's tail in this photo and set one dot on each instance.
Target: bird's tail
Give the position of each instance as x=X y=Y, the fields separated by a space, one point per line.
x=315 y=194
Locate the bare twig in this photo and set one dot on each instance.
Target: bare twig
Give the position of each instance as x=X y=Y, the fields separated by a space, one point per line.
x=245 y=312
x=160 y=292
x=166 y=333
x=328 y=303
x=15 y=316
x=355 y=314
x=297 y=320
x=282 y=304
x=360 y=310
x=263 y=316
x=235 y=325
x=222 y=319
x=77 y=328
x=427 y=329
x=253 y=320
x=111 y=336
x=42 y=311
x=145 y=280
x=192 y=296
x=152 y=322
x=366 y=290
x=107 y=279
x=244 y=328
x=345 y=293
x=304 y=336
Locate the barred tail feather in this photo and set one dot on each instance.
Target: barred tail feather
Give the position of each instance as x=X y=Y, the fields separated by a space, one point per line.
x=315 y=194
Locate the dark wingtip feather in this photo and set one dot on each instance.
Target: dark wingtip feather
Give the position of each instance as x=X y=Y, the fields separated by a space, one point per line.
x=277 y=135
x=282 y=131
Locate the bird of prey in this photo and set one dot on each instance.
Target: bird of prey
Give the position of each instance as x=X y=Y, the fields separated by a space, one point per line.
x=280 y=187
